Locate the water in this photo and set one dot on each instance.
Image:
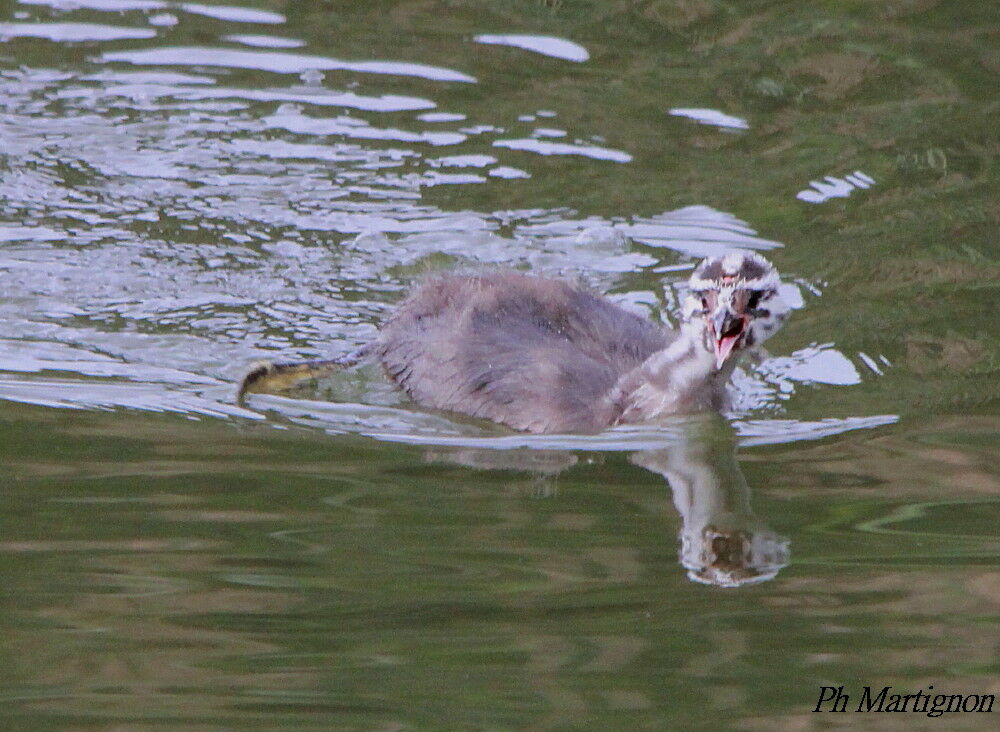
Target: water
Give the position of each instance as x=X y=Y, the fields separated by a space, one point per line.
x=185 y=188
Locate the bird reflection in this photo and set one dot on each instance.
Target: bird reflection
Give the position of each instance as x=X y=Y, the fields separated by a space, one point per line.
x=722 y=542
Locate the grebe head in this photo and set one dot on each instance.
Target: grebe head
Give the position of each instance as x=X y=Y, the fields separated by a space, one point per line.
x=734 y=300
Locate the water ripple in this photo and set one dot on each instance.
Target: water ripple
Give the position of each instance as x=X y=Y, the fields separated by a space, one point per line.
x=146 y=90
x=264 y=41
x=277 y=62
x=72 y=32
x=831 y=187
x=112 y=6
x=711 y=117
x=545 y=45
x=543 y=147
x=294 y=121
x=233 y=13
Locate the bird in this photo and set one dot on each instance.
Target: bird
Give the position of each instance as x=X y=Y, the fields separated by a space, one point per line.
x=543 y=355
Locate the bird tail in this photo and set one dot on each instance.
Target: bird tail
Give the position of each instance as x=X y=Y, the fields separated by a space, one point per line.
x=268 y=376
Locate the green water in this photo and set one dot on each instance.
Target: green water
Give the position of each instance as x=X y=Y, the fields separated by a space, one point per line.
x=338 y=558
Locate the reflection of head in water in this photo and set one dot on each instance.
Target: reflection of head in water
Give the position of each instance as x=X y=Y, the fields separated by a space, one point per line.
x=732 y=558
x=722 y=542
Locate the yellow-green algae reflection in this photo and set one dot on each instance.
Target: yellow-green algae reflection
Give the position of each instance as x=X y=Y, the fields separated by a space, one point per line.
x=186 y=188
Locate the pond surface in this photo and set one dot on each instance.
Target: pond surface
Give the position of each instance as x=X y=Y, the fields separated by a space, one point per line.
x=186 y=188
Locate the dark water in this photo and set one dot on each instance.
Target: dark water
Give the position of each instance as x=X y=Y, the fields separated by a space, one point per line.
x=186 y=188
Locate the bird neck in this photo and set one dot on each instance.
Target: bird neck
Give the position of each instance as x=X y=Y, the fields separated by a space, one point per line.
x=685 y=364
x=679 y=378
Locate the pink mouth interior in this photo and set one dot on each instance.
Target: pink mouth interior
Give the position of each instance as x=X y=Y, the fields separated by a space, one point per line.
x=723 y=347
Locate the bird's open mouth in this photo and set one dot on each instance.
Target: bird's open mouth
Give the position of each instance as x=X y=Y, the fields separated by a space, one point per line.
x=725 y=341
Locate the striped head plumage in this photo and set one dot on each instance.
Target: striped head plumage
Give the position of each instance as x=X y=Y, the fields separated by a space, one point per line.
x=734 y=299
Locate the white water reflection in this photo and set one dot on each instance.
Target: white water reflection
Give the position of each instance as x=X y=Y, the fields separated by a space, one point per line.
x=147 y=89
x=481 y=129
x=12 y=232
x=278 y=62
x=872 y=365
x=831 y=187
x=166 y=20
x=505 y=171
x=816 y=364
x=91 y=394
x=441 y=117
x=545 y=45
x=265 y=41
x=543 y=147
x=711 y=117
x=233 y=13
x=775 y=431
x=114 y=6
x=146 y=77
x=433 y=178
x=72 y=32
x=343 y=153
x=294 y=121
x=462 y=161
x=698 y=231
x=39 y=356
x=695 y=231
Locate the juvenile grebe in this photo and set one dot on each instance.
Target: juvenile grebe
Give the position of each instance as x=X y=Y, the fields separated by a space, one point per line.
x=543 y=355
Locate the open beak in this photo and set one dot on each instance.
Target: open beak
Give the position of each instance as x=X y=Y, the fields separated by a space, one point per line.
x=727 y=327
